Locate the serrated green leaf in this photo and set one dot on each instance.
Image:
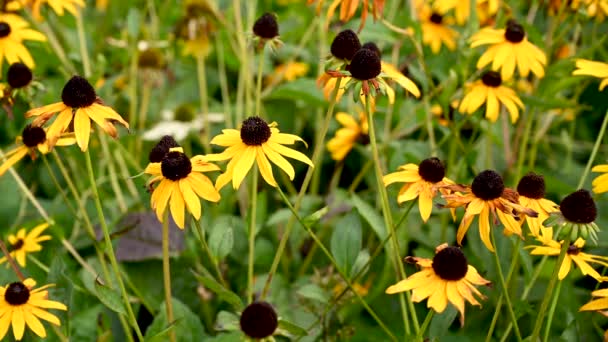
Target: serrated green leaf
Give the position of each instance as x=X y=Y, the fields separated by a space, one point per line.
x=220 y=291
x=110 y=298
x=187 y=325
x=346 y=242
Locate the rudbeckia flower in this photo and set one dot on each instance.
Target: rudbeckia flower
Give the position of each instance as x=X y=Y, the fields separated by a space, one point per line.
x=422 y=181
x=58 y=6
x=348 y=9
x=531 y=190
x=180 y=183
x=435 y=30
x=79 y=103
x=492 y=92
x=23 y=243
x=33 y=138
x=13 y=31
x=600 y=183
x=447 y=277
x=266 y=29
x=591 y=68
x=487 y=196
x=509 y=48
x=289 y=71
x=255 y=142
x=577 y=216
x=21 y=305
x=346 y=137
x=259 y=320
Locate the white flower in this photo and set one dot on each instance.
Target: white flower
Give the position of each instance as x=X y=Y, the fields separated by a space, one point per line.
x=178 y=129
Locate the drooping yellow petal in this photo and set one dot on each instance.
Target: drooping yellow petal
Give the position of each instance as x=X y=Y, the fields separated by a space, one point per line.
x=242 y=167
x=565 y=268
x=34 y=324
x=82 y=129
x=192 y=201
x=265 y=167
x=484 y=228
x=177 y=206
x=18 y=322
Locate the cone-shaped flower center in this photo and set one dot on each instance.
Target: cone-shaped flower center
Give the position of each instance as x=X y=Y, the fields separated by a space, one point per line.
x=450 y=264
x=5 y=29
x=487 y=185
x=159 y=151
x=184 y=113
x=372 y=46
x=365 y=65
x=259 y=320
x=579 y=207
x=255 y=131
x=491 y=79
x=266 y=26
x=573 y=250
x=436 y=18
x=17 y=294
x=175 y=166
x=431 y=170
x=514 y=33
x=345 y=45
x=17 y=245
x=18 y=75
x=532 y=186
x=33 y=135
x=78 y=93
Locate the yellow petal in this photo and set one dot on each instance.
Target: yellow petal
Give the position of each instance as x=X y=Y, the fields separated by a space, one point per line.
x=34 y=324
x=203 y=187
x=265 y=167
x=176 y=203
x=192 y=201
x=18 y=322
x=242 y=166
x=565 y=268
x=484 y=228
x=82 y=129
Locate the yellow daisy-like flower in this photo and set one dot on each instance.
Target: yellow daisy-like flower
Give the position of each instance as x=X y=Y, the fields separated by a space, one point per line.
x=594 y=8
x=13 y=31
x=531 y=190
x=597 y=304
x=348 y=8
x=33 y=138
x=23 y=243
x=288 y=71
x=446 y=278
x=574 y=254
x=79 y=104
x=489 y=90
x=462 y=9
x=180 y=184
x=487 y=196
x=435 y=30
x=58 y=6
x=346 y=137
x=600 y=183
x=422 y=181
x=591 y=68
x=509 y=48
x=21 y=305
x=255 y=142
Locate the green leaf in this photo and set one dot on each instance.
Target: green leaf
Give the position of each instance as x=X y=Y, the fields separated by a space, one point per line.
x=314 y=292
x=133 y=22
x=227 y=321
x=221 y=291
x=110 y=298
x=291 y=328
x=346 y=242
x=371 y=216
x=441 y=322
x=163 y=334
x=304 y=89
x=221 y=241
x=316 y=216
x=186 y=324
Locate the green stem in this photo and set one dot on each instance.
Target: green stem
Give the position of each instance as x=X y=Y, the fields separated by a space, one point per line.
x=552 y=311
x=253 y=196
x=596 y=147
x=258 y=93
x=425 y=325
x=54 y=42
x=82 y=42
x=167 y=274
x=200 y=232
x=110 y=248
x=58 y=186
x=143 y=114
x=202 y=91
x=221 y=67
x=523 y=148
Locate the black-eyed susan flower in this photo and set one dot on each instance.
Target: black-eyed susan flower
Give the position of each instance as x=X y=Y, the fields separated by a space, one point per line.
x=493 y=93
x=289 y=71
x=343 y=49
x=487 y=196
x=80 y=105
x=353 y=132
x=531 y=190
x=21 y=305
x=33 y=138
x=181 y=183
x=597 y=304
x=58 y=6
x=18 y=75
x=259 y=320
x=13 y=31
x=447 y=277
x=509 y=48
x=576 y=217
x=22 y=243
x=436 y=30
x=348 y=8
x=422 y=181
x=592 y=68
x=600 y=183
x=255 y=142
x=266 y=30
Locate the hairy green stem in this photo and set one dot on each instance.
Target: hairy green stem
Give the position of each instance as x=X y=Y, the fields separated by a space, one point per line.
x=253 y=196
x=167 y=274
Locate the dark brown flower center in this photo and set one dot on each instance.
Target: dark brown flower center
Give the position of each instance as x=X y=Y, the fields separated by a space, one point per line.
x=532 y=185
x=5 y=29
x=266 y=26
x=17 y=294
x=255 y=131
x=33 y=135
x=17 y=245
x=431 y=170
x=450 y=264
x=151 y=58
x=365 y=65
x=18 y=75
x=259 y=320
x=488 y=185
x=573 y=250
x=491 y=79
x=345 y=45
x=514 y=33
x=372 y=46
x=363 y=139
x=436 y=18
x=579 y=207
x=159 y=151
x=175 y=166
x=78 y=93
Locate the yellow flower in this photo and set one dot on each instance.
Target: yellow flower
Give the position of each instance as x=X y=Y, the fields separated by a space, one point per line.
x=255 y=142
x=591 y=68
x=421 y=181
x=348 y=9
x=79 y=103
x=20 y=304
x=531 y=190
x=598 y=303
x=446 y=278
x=33 y=138
x=509 y=48
x=435 y=30
x=197 y=47
x=551 y=247
x=181 y=184
x=13 y=31
x=346 y=137
x=23 y=243
x=487 y=196
x=489 y=90
x=288 y=72
x=595 y=8
x=462 y=9
x=600 y=183
x=58 y=6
